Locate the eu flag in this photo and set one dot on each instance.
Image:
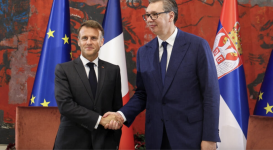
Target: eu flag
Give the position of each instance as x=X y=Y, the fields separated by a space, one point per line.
x=264 y=102
x=55 y=50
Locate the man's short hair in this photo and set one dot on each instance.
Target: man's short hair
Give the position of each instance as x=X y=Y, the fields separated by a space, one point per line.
x=168 y=5
x=91 y=24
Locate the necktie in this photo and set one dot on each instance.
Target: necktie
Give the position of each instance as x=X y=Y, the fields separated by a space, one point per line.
x=163 y=61
x=92 y=79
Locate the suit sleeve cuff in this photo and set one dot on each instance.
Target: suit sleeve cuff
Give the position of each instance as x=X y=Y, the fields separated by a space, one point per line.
x=122 y=115
x=98 y=122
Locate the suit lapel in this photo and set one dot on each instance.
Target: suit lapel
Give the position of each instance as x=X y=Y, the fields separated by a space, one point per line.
x=154 y=52
x=178 y=52
x=101 y=75
x=82 y=73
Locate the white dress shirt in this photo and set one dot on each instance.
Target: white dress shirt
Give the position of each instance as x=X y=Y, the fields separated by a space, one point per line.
x=87 y=69
x=170 y=42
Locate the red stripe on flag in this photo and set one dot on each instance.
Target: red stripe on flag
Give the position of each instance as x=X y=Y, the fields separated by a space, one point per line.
x=229 y=14
x=126 y=98
x=127 y=138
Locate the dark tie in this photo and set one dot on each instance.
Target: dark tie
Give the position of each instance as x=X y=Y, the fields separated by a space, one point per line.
x=163 y=61
x=92 y=79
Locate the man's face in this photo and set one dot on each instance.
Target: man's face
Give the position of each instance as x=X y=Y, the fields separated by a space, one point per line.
x=162 y=23
x=90 y=42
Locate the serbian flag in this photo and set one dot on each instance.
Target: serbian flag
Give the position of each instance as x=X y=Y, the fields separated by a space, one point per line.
x=113 y=51
x=264 y=102
x=227 y=52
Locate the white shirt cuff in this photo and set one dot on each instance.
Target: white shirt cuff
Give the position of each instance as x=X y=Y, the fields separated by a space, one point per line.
x=122 y=115
x=98 y=122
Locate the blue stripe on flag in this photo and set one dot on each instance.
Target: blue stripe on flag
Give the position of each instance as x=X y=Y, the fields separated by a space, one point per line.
x=233 y=90
x=219 y=26
x=112 y=23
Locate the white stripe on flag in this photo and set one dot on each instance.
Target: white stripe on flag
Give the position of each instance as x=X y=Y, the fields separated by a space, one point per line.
x=114 y=52
x=231 y=134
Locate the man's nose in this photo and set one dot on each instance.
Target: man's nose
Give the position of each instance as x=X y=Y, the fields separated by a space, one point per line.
x=89 y=41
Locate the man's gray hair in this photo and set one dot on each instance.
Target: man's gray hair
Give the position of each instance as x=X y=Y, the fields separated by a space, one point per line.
x=168 y=5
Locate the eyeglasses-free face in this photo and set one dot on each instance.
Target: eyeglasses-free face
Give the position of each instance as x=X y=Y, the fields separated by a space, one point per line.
x=153 y=16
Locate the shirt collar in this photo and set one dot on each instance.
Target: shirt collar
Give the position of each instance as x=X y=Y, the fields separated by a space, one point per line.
x=85 y=61
x=170 y=40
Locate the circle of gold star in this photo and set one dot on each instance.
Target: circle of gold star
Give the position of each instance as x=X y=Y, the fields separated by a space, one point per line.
x=50 y=33
x=66 y=39
x=32 y=99
x=268 y=108
x=45 y=103
x=261 y=96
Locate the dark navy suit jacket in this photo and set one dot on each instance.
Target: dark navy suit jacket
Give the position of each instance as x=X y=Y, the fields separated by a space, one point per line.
x=80 y=110
x=187 y=103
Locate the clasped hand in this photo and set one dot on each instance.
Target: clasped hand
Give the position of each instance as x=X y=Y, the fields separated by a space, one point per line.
x=112 y=120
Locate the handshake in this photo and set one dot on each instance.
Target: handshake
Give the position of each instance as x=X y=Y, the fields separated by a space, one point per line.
x=112 y=120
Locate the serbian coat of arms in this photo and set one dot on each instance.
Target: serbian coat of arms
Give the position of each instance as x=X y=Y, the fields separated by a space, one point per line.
x=227 y=50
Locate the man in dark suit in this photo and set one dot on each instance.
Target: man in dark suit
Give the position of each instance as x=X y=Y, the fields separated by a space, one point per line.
x=177 y=84
x=85 y=89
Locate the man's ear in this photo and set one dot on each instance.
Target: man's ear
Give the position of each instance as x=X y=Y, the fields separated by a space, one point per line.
x=172 y=15
x=102 y=42
x=79 y=39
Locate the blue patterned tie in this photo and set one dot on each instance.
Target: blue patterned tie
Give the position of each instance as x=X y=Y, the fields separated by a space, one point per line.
x=92 y=79
x=163 y=61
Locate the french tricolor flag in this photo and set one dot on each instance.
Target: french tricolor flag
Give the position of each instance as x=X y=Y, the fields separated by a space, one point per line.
x=227 y=52
x=113 y=51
